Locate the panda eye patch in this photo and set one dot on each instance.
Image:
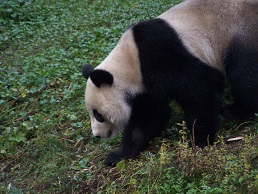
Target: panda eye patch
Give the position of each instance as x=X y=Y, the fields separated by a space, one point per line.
x=98 y=116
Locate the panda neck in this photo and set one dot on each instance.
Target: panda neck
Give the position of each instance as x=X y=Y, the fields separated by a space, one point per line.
x=123 y=62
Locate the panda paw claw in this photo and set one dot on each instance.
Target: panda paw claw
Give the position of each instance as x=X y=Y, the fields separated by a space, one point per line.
x=113 y=158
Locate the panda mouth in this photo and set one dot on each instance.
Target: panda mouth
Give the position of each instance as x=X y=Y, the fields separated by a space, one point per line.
x=109 y=133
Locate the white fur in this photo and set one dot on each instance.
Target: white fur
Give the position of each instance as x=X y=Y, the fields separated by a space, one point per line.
x=123 y=64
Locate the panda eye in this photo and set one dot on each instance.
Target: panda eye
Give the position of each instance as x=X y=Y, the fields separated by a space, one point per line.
x=98 y=116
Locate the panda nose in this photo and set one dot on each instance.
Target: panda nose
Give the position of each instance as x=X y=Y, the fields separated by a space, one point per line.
x=97 y=136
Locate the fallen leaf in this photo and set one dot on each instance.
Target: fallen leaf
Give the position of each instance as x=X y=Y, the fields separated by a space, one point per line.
x=235 y=139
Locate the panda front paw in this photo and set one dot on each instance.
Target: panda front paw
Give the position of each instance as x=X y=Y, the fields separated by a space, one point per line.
x=113 y=158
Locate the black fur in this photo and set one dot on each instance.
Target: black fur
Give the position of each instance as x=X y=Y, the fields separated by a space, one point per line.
x=170 y=72
x=86 y=70
x=98 y=116
x=99 y=77
x=241 y=63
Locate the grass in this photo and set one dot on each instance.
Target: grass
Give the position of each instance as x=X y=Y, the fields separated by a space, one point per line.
x=46 y=145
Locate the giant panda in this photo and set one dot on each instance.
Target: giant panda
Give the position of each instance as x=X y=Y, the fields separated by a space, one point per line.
x=185 y=54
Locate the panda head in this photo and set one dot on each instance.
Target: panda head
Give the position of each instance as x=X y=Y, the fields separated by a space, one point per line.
x=105 y=102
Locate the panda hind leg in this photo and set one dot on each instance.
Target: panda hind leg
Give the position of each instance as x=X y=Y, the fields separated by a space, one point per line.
x=242 y=73
x=202 y=117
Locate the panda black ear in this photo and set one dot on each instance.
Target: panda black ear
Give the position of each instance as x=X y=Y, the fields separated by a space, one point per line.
x=100 y=76
x=86 y=70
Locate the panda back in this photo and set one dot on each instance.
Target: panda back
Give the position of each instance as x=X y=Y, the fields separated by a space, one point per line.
x=206 y=28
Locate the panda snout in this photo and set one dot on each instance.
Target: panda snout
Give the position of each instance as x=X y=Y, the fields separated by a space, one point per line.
x=108 y=134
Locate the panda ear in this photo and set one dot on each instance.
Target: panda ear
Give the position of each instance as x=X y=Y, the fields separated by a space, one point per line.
x=100 y=76
x=86 y=70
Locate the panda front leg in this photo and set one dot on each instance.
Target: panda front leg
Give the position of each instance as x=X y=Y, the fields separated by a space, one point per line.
x=133 y=143
x=149 y=117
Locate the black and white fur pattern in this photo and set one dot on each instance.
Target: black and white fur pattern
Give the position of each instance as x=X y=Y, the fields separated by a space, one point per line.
x=183 y=55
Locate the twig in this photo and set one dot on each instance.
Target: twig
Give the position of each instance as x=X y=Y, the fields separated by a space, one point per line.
x=242 y=124
x=193 y=138
x=25 y=117
x=5 y=167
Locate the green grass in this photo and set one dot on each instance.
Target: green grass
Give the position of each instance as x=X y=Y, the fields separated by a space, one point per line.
x=46 y=145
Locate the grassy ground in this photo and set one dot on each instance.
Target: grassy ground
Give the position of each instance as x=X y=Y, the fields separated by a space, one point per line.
x=46 y=144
